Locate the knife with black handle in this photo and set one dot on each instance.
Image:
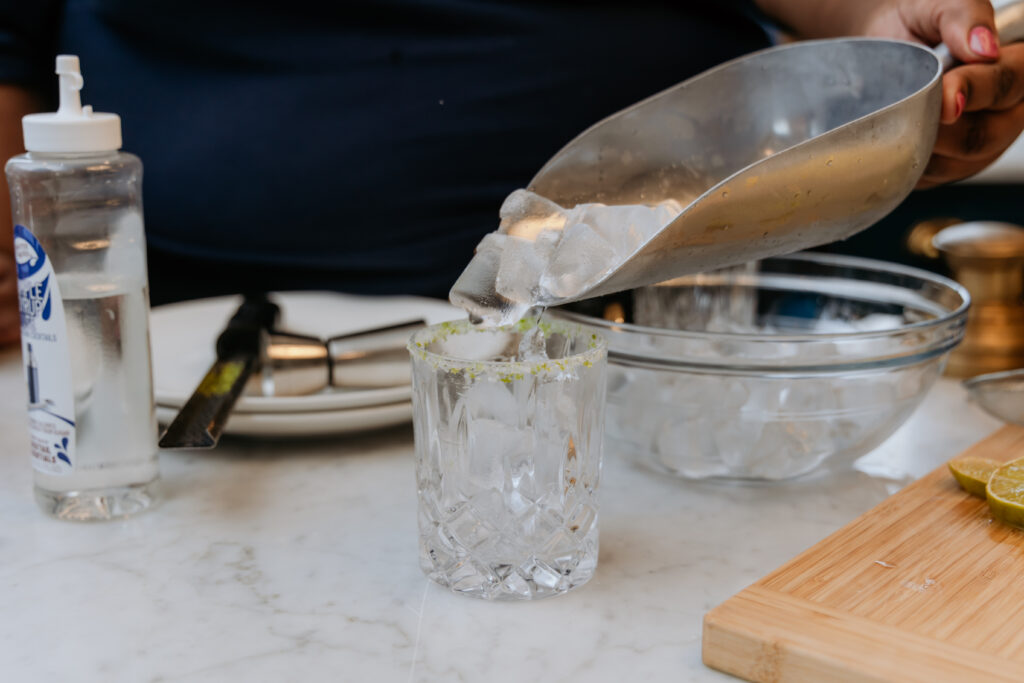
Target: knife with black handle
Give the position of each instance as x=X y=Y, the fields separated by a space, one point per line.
x=201 y=420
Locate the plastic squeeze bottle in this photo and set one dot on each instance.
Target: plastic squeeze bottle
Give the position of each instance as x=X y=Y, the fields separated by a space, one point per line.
x=80 y=254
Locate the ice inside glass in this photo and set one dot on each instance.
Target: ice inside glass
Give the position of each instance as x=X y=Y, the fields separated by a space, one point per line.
x=508 y=424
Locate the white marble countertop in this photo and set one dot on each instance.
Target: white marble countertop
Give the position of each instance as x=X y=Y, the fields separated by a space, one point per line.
x=297 y=561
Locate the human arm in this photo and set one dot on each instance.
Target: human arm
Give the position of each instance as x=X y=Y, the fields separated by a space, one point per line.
x=983 y=99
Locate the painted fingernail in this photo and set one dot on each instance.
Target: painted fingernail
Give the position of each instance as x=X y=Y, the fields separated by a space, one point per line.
x=983 y=43
x=961 y=102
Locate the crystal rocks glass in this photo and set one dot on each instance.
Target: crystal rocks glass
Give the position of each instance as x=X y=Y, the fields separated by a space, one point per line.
x=509 y=423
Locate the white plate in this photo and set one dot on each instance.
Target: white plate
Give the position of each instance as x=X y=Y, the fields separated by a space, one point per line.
x=183 y=337
x=322 y=423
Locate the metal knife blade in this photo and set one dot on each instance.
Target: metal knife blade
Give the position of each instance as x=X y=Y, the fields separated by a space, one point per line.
x=201 y=420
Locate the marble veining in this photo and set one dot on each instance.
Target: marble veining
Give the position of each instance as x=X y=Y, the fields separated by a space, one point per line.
x=297 y=561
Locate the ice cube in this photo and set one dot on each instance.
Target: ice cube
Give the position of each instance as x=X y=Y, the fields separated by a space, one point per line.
x=490 y=444
x=782 y=430
x=533 y=346
x=735 y=442
x=493 y=242
x=597 y=238
x=582 y=257
x=861 y=395
x=542 y=252
x=626 y=226
x=525 y=214
x=491 y=346
x=476 y=289
x=521 y=265
x=623 y=227
x=492 y=400
x=684 y=445
x=788 y=449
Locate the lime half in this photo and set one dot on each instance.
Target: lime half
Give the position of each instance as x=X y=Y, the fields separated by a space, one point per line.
x=1005 y=492
x=973 y=472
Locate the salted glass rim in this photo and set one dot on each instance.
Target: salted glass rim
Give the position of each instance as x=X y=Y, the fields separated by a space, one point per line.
x=596 y=348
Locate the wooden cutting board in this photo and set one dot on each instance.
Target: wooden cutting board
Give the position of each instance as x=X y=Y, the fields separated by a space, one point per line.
x=924 y=587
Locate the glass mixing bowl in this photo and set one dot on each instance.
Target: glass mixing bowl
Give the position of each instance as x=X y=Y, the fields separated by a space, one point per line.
x=768 y=371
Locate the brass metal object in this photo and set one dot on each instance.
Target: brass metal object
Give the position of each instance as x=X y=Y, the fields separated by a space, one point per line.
x=988 y=259
x=919 y=238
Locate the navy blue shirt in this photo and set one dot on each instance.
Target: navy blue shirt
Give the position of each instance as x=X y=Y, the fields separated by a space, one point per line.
x=360 y=146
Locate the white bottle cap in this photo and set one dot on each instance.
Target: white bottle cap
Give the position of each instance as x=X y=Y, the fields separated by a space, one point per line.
x=72 y=128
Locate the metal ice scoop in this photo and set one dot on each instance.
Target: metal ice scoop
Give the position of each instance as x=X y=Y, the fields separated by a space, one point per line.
x=778 y=151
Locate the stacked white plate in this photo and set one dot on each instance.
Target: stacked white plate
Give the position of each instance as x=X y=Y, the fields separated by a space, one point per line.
x=184 y=334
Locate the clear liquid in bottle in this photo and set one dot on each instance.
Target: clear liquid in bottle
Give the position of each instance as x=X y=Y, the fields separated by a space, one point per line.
x=80 y=254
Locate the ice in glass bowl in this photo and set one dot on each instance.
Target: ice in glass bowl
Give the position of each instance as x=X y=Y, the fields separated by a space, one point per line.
x=772 y=370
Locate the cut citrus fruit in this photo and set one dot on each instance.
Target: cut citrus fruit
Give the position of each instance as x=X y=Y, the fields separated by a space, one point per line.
x=973 y=473
x=1005 y=492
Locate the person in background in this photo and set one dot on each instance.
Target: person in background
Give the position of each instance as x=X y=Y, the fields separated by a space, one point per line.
x=366 y=146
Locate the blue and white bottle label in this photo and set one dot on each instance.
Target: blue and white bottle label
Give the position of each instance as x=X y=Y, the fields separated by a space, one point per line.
x=44 y=350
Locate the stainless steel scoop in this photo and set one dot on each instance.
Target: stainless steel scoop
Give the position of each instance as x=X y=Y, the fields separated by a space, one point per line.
x=781 y=150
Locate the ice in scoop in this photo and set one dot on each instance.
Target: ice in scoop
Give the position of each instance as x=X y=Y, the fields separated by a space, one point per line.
x=543 y=253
